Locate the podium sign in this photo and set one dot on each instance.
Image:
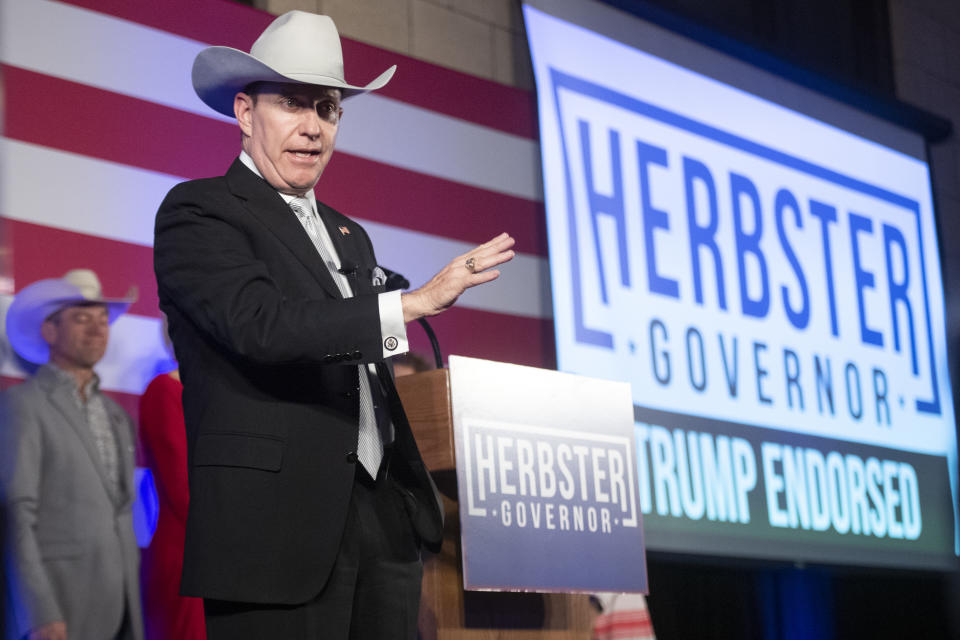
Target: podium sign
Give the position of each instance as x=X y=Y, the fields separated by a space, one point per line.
x=547 y=480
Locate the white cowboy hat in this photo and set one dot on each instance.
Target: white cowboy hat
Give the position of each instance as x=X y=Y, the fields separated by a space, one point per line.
x=38 y=301
x=298 y=47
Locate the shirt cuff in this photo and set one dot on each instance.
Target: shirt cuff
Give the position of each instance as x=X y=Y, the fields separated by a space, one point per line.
x=393 y=330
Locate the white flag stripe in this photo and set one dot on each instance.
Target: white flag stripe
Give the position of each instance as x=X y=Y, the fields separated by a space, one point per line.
x=441 y=146
x=118 y=202
x=420 y=140
x=102 y=51
x=92 y=196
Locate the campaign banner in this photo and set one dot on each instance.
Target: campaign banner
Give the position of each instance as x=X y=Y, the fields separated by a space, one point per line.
x=743 y=263
x=547 y=480
x=728 y=488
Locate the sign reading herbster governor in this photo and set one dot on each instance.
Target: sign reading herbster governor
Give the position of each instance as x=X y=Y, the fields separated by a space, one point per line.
x=547 y=477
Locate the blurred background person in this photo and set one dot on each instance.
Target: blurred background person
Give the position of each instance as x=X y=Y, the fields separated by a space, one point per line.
x=66 y=471
x=163 y=442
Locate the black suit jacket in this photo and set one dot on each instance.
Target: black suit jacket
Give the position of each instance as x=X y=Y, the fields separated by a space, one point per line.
x=268 y=352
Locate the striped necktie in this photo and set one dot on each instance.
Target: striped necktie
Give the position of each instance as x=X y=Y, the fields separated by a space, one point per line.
x=369 y=441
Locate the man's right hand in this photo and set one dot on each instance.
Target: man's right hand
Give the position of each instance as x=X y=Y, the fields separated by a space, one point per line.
x=444 y=288
x=50 y=631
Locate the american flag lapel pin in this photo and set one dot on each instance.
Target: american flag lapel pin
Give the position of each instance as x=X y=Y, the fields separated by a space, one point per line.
x=344 y=231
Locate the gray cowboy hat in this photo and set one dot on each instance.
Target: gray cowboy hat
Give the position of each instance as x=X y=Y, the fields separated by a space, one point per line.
x=298 y=47
x=38 y=301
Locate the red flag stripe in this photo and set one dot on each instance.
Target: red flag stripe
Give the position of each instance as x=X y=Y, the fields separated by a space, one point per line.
x=152 y=137
x=45 y=252
x=463 y=331
x=605 y=629
x=625 y=617
x=417 y=82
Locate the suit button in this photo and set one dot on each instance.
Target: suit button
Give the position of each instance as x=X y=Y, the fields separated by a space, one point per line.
x=356 y=355
x=328 y=359
x=352 y=457
x=348 y=394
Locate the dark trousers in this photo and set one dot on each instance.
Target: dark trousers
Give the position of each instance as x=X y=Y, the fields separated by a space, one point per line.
x=373 y=592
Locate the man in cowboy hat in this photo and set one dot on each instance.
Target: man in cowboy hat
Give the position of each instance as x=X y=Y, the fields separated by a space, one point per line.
x=309 y=500
x=66 y=471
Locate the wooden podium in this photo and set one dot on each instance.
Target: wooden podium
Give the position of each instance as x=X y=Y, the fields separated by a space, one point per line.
x=447 y=612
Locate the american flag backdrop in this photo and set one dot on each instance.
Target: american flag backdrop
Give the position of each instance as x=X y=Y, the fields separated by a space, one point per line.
x=100 y=120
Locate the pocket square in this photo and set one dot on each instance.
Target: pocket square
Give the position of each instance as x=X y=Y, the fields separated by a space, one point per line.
x=379 y=277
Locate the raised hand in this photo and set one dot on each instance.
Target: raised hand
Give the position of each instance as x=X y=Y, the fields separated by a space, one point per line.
x=468 y=270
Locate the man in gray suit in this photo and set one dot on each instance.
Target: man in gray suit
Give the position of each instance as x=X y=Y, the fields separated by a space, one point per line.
x=66 y=472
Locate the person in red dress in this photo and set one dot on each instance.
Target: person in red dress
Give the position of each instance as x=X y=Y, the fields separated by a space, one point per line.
x=167 y=614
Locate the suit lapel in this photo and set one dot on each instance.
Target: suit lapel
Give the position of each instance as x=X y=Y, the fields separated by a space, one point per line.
x=265 y=204
x=346 y=244
x=124 y=451
x=61 y=398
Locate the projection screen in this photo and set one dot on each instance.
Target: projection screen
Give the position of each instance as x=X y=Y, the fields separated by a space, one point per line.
x=760 y=263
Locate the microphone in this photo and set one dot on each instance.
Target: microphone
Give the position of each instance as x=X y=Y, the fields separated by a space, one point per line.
x=397 y=281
